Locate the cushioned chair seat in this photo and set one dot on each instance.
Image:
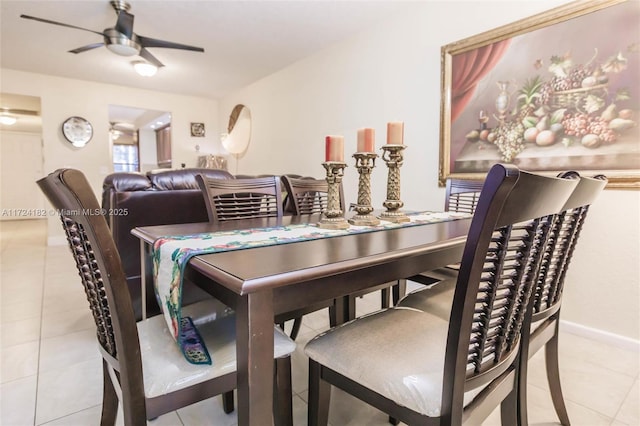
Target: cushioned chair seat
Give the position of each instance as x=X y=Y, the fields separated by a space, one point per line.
x=437 y=299
x=404 y=346
x=165 y=368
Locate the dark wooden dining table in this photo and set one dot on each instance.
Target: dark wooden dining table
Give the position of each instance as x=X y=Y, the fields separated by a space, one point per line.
x=259 y=283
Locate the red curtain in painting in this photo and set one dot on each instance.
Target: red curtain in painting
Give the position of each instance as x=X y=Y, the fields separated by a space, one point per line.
x=468 y=69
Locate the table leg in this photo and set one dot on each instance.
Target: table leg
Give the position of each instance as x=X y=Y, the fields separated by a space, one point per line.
x=254 y=349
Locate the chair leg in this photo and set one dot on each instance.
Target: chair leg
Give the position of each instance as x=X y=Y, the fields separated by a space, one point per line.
x=394 y=421
x=509 y=408
x=109 y=398
x=227 y=402
x=521 y=381
x=133 y=403
x=296 y=328
x=350 y=308
x=523 y=418
x=385 y=297
x=553 y=377
x=282 y=393
x=319 y=397
x=337 y=311
x=399 y=290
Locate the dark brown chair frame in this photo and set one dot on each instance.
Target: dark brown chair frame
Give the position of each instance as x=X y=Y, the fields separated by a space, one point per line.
x=105 y=285
x=496 y=278
x=549 y=287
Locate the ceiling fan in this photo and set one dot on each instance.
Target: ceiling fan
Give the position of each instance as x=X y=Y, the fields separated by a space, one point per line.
x=121 y=39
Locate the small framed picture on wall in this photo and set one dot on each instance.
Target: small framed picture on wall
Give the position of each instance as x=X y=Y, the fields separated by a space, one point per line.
x=197 y=130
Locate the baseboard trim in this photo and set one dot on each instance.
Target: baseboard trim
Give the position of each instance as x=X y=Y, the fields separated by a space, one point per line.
x=600 y=335
x=57 y=241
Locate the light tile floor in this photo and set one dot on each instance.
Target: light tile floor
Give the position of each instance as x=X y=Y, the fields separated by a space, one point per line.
x=51 y=372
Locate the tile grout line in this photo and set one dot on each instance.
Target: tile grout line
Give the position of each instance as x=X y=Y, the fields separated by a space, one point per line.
x=624 y=400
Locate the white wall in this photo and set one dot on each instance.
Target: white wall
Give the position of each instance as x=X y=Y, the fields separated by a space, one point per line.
x=20 y=161
x=62 y=98
x=392 y=72
x=148 y=149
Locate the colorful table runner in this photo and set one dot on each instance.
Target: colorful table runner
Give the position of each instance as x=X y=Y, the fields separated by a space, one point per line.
x=171 y=254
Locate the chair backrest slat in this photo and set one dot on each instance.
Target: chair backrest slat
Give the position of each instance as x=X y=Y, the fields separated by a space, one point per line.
x=232 y=199
x=309 y=195
x=509 y=230
x=462 y=195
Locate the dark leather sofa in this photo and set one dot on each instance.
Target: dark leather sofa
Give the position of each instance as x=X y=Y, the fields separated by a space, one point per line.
x=155 y=198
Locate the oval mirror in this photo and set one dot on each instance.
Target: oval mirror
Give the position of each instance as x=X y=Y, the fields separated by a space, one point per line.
x=238 y=130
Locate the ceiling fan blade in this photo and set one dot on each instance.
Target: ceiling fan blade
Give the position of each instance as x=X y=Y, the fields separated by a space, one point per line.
x=47 y=21
x=87 y=47
x=144 y=53
x=125 y=24
x=152 y=42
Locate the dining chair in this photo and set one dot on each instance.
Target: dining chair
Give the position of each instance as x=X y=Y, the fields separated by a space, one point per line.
x=309 y=196
x=287 y=201
x=143 y=369
x=247 y=198
x=461 y=196
x=232 y=199
x=541 y=329
x=306 y=195
x=457 y=370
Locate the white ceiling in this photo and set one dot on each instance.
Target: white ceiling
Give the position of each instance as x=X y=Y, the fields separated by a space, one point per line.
x=244 y=41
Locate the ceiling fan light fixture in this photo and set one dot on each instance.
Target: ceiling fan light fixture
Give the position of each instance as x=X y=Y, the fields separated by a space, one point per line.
x=145 y=69
x=122 y=49
x=8 y=120
x=120 y=44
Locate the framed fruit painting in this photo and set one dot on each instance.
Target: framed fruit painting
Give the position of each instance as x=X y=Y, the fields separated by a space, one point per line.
x=554 y=92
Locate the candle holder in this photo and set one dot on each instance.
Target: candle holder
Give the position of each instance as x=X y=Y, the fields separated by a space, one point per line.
x=333 y=216
x=392 y=155
x=365 y=162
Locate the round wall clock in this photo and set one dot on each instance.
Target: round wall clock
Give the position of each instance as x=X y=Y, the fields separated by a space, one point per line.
x=77 y=130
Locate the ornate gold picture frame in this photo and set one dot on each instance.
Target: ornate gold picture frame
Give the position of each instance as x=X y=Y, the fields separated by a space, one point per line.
x=554 y=92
